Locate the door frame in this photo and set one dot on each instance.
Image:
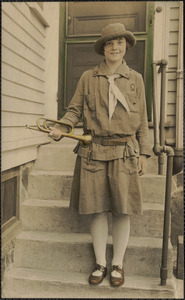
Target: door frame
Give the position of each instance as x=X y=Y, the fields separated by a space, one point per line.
x=65 y=40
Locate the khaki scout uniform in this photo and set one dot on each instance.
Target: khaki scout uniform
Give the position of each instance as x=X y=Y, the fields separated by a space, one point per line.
x=106 y=177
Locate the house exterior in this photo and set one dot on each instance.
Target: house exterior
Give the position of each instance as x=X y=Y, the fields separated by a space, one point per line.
x=39 y=40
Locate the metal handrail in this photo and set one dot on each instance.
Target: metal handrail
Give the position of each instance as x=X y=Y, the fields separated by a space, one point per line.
x=162 y=69
x=159 y=149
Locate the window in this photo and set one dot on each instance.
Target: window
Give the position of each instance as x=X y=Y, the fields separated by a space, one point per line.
x=9 y=198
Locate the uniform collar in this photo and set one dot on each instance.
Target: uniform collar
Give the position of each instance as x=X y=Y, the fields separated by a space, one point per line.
x=102 y=70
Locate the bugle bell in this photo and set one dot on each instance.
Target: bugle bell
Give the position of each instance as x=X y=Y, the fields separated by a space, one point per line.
x=43 y=124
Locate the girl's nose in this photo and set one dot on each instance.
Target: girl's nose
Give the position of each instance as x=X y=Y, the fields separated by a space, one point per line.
x=114 y=46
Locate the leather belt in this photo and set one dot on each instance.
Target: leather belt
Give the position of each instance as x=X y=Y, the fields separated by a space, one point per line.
x=104 y=141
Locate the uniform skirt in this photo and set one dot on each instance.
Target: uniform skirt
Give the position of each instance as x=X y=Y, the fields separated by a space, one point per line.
x=106 y=186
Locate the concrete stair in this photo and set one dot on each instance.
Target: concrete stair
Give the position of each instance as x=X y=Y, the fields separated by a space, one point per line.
x=63 y=150
x=54 y=254
x=54 y=251
x=36 y=213
x=41 y=184
x=36 y=283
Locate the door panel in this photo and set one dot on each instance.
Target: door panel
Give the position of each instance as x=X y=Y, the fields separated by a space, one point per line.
x=90 y=17
x=80 y=58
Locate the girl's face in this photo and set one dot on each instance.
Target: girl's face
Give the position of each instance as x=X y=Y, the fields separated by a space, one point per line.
x=114 y=50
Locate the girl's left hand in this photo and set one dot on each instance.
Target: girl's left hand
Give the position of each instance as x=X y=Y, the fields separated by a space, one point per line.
x=142 y=164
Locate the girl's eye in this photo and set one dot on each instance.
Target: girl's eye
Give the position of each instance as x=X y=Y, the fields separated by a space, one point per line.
x=108 y=43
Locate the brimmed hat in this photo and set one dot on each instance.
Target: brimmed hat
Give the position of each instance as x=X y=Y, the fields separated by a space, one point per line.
x=112 y=31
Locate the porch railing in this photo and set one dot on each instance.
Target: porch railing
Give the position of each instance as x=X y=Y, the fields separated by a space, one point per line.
x=160 y=149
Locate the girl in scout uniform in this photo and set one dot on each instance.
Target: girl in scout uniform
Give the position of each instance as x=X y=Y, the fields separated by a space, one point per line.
x=111 y=100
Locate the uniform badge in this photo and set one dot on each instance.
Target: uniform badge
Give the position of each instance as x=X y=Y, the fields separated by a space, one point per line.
x=132 y=87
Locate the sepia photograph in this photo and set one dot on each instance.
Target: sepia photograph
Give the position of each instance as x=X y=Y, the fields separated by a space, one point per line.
x=92 y=195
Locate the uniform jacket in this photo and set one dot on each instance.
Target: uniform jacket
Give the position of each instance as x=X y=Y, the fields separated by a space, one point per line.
x=90 y=102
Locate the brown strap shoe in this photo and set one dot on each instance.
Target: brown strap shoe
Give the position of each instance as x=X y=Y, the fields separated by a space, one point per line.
x=117 y=281
x=95 y=280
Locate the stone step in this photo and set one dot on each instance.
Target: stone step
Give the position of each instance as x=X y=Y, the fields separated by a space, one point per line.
x=37 y=283
x=35 y=214
x=49 y=184
x=74 y=253
x=60 y=157
x=56 y=185
x=56 y=157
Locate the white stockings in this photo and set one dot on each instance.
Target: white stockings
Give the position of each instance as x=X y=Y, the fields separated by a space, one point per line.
x=99 y=233
x=120 y=235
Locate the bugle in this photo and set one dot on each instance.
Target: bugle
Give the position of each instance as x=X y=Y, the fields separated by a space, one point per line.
x=43 y=124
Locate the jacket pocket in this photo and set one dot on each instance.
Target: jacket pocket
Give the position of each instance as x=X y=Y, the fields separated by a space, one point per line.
x=90 y=100
x=94 y=166
x=130 y=165
x=136 y=147
x=133 y=103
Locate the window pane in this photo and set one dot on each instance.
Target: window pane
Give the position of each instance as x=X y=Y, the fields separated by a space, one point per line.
x=8 y=199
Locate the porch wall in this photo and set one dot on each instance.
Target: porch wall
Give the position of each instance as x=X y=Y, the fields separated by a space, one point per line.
x=29 y=88
x=29 y=76
x=166 y=45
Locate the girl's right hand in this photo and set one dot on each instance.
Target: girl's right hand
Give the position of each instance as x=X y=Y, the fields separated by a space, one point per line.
x=54 y=133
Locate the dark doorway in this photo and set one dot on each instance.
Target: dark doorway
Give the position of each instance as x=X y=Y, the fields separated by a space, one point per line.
x=84 y=21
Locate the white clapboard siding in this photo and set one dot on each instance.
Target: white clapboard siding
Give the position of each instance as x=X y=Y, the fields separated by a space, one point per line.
x=172 y=74
x=15 y=134
x=20 y=156
x=14 y=59
x=24 y=23
x=24 y=37
x=170 y=134
x=13 y=89
x=174 y=5
x=173 y=49
x=13 y=74
x=23 y=143
x=172 y=66
x=23 y=8
x=21 y=105
x=21 y=49
x=23 y=83
x=170 y=96
x=174 y=25
x=172 y=62
x=170 y=122
x=174 y=13
x=172 y=86
x=18 y=119
x=171 y=109
x=173 y=38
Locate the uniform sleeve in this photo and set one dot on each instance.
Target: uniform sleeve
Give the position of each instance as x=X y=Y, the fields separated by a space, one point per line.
x=143 y=131
x=75 y=108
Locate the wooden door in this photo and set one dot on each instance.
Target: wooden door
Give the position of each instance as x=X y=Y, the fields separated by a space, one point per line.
x=84 y=21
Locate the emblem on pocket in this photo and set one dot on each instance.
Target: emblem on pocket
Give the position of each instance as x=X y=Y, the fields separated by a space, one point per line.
x=132 y=87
